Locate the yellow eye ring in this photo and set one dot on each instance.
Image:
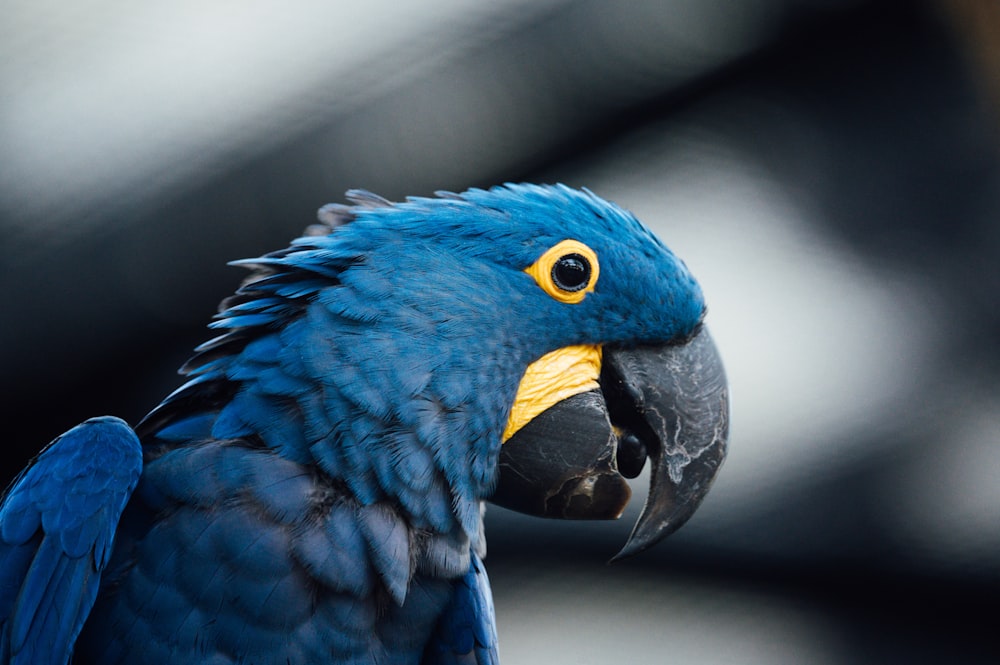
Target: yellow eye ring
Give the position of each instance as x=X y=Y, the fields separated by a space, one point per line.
x=567 y=271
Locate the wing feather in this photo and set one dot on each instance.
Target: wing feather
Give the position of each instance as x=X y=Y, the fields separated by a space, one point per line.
x=466 y=634
x=57 y=523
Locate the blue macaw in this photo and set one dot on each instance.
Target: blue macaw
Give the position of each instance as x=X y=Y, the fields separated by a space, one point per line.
x=315 y=491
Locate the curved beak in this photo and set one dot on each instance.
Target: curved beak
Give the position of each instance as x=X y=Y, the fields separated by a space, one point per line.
x=668 y=403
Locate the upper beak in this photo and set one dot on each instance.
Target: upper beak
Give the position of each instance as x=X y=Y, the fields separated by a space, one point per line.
x=670 y=402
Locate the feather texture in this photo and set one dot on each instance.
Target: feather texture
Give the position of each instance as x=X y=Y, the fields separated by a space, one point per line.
x=57 y=525
x=314 y=492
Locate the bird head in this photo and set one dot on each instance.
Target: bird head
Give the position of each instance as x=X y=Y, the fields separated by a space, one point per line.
x=531 y=345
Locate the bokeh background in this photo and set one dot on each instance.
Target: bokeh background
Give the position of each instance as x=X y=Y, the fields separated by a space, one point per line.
x=829 y=169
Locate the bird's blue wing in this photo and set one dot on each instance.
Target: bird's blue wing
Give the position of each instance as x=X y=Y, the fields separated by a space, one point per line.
x=57 y=525
x=466 y=633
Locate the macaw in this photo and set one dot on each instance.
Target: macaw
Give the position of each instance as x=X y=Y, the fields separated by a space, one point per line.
x=314 y=492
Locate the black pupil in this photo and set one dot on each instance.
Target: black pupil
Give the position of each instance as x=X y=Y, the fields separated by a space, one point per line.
x=571 y=272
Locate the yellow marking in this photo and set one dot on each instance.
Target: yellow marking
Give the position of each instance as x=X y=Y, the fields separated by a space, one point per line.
x=541 y=270
x=552 y=378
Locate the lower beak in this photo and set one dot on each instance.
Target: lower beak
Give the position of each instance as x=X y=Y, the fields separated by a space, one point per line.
x=668 y=402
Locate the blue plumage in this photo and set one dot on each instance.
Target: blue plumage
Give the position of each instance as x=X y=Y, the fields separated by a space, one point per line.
x=57 y=524
x=314 y=492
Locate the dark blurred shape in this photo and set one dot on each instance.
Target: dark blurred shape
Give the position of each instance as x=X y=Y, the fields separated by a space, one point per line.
x=977 y=30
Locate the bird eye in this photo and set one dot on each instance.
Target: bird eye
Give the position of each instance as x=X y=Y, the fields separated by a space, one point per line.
x=568 y=271
x=571 y=272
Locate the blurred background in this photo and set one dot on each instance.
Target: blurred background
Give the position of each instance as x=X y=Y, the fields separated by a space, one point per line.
x=829 y=169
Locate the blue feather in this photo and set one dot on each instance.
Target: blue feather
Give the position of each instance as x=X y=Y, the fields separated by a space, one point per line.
x=466 y=632
x=334 y=554
x=58 y=519
x=389 y=546
x=193 y=428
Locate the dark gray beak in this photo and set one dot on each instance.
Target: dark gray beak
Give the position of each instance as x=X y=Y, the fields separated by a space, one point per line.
x=670 y=403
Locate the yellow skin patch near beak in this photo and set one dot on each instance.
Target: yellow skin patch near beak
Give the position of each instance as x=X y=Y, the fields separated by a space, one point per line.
x=552 y=378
